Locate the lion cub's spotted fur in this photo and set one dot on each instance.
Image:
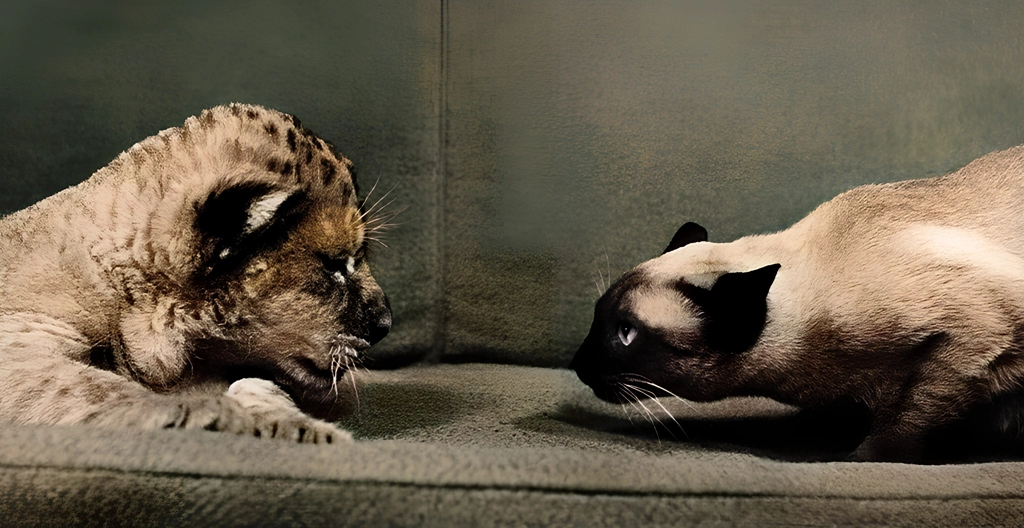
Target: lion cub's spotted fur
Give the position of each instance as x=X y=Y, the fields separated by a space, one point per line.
x=226 y=250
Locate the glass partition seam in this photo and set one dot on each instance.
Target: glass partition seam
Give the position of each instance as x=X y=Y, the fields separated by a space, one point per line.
x=438 y=348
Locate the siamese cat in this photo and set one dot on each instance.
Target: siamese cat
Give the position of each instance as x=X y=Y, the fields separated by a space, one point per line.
x=905 y=297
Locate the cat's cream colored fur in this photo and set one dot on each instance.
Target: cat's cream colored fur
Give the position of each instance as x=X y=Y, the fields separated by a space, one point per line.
x=907 y=297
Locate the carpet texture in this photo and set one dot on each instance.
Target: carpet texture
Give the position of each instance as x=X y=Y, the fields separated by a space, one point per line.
x=494 y=445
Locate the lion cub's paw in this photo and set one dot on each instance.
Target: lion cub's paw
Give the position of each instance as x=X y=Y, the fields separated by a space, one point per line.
x=260 y=408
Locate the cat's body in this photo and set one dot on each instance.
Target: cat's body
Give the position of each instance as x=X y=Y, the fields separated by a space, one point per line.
x=907 y=297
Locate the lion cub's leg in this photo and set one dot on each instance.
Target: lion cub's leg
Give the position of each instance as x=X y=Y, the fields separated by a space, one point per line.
x=45 y=379
x=275 y=415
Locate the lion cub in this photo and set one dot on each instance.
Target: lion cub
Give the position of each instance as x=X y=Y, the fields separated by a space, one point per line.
x=212 y=276
x=906 y=297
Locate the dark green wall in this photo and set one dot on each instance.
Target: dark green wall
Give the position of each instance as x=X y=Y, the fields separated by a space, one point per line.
x=580 y=135
x=535 y=145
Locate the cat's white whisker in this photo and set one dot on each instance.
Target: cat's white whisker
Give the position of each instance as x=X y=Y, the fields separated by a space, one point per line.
x=637 y=378
x=626 y=412
x=653 y=397
x=651 y=417
x=608 y=263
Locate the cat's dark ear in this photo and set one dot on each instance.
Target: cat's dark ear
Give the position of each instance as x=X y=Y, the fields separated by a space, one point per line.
x=687 y=234
x=231 y=218
x=735 y=309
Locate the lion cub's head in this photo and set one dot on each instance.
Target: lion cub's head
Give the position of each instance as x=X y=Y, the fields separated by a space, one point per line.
x=255 y=260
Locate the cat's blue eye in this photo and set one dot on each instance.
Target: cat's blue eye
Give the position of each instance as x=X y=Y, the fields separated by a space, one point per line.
x=627 y=333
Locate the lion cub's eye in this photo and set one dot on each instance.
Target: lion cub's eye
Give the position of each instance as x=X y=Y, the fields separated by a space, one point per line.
x=627 y=333
x=339 y=268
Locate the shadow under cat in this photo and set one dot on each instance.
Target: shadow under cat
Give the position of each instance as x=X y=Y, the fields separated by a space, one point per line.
x=819 y=435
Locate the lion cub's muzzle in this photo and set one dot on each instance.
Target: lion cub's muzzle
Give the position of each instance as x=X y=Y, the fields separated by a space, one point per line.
x=378 y=320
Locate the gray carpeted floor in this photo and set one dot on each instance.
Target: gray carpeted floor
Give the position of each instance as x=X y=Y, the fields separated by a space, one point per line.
x=496 y=445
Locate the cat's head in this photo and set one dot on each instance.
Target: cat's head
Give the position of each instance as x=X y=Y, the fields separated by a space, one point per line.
x=677 y=324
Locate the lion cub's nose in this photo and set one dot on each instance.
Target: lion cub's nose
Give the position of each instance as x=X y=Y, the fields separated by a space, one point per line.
x=380 y=330
x=380 y=324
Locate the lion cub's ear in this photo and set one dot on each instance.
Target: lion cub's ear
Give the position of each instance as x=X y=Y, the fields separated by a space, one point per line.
x=234 y=218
